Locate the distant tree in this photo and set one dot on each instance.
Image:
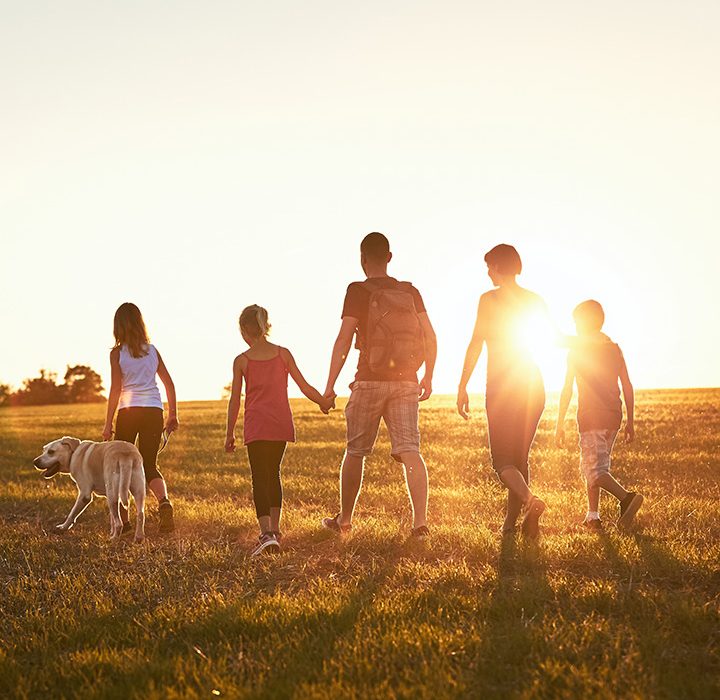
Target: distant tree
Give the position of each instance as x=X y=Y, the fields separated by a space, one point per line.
x=5 y=394
x=83 y=385
x=40 y=391
x=227 y=390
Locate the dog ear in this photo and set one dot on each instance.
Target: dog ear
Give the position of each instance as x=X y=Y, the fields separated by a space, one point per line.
x=70 y=442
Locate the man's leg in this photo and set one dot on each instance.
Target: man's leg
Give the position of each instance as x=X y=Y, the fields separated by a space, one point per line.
x=351 y=475
x=416 y=478
x=362 y=415
x=401 y=414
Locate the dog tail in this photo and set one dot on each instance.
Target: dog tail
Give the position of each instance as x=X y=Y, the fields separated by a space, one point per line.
x=126 y=468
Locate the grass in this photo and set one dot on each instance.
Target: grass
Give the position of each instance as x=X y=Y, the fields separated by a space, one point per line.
x=372 y=615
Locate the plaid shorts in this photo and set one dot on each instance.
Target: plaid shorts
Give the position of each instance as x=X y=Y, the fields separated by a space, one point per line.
x=595 y=449
x=396 y=403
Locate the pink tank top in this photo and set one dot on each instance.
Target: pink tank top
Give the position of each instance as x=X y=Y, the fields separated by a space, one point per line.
x=267 y=408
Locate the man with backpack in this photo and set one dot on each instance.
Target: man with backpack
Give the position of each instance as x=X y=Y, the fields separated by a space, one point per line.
x=395 y=337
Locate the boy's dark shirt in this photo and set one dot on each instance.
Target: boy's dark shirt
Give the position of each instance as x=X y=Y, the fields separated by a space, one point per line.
x=597 y=364
x=357 y=305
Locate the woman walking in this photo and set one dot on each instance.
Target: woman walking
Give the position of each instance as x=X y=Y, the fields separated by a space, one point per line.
x=515 y=395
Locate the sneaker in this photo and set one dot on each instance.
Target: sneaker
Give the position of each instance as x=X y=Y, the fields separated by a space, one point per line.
x=531 y=522
x=629 y=506
x=593 y=525
x=278 y=535
x=420 y=533
x=334 y=525
x=167 y=523
x=266 y=543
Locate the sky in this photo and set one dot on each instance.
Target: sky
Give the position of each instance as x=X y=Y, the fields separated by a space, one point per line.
x=195 y=158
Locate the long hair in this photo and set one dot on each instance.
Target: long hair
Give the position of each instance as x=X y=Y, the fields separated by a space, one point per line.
x=254 y=320
x=129 y=329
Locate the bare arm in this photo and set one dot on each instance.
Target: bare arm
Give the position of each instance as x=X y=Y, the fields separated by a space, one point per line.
x=310 y=392
x=114 y=394
x=565 y=397
x=171 y=424
x=472 y=356
x=629 y=396
x=340 y=351
x=234 y=403
x=430 y=341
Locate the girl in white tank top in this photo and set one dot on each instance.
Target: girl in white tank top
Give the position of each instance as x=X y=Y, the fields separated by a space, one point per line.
x=134 y=392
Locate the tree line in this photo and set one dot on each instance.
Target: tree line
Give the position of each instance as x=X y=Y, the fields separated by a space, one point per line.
x=81 y=384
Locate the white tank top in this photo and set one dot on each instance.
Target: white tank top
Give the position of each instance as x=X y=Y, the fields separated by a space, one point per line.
x=139 y=387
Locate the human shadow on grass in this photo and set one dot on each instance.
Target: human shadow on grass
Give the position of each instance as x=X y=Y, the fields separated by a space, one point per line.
x=664 y=601
x=520 y=596
x=310 y=637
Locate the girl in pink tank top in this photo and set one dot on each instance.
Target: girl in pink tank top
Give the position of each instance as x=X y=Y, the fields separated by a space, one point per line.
x=268 y=422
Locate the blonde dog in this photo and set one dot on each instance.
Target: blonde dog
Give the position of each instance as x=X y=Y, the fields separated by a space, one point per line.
x=110 y=469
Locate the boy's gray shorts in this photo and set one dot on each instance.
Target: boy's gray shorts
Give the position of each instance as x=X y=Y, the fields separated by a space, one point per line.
x=595 y=450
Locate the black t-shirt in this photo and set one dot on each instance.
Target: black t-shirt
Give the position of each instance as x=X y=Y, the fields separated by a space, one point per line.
x=597 y=364
x=357 y=305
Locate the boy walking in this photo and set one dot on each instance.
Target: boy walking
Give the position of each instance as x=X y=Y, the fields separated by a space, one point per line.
x=395 y=337
x=596 y=363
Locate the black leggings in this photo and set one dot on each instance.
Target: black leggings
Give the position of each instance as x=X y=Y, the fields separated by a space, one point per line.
x=265 y=458
x=145 y=424
x=513 y=415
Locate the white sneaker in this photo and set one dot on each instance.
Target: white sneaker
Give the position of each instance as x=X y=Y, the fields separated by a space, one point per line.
x=266 y=543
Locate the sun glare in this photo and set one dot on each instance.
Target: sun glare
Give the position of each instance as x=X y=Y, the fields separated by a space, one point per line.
x=537 y=337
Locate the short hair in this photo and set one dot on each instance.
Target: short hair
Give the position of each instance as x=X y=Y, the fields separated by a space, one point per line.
x=589 y=314
x=254 y=320
x=375 y=246
x=505 y=258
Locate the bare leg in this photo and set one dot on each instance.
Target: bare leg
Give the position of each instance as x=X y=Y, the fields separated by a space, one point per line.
x=593 y=493
x=516 y=484
x=275 y=514
x=514 y=508
x=607 y=482
x=351 y=475
x=158 y=487
x=416 y=478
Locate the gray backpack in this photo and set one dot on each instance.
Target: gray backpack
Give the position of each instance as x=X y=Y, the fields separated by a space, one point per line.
x=394 y=340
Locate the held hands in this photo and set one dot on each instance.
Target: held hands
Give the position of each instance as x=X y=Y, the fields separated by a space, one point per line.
x=629 y=431
x=425 y=388
x=172 y=424
x=230 y=444
x=328 y=401
x=463 y=403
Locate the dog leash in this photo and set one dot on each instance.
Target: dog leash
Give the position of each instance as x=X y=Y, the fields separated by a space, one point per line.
x=164 y=439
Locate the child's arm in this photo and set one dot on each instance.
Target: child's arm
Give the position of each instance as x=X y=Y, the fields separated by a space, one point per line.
x=172 y=423
x=325 y=402
x=234 y=403
x=565 y=397
x=629 y=396
x=340 y=351
x=471 y=358
x=114 y=395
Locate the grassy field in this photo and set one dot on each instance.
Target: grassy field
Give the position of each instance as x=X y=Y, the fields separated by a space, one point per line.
x=464 y=614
